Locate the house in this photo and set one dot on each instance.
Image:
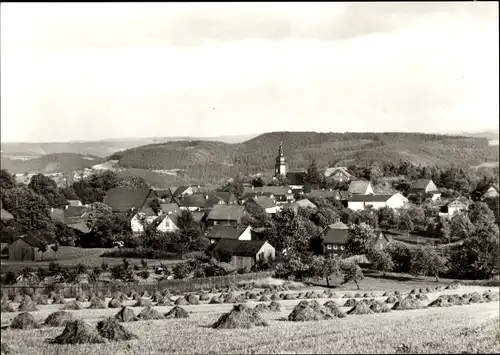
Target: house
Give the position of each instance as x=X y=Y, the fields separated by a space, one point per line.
x=183 y=191
x=75 y=203
x=169 y=208
x=123 y=199
x=227 y=197
x=281 y=194
x=358 y=187
x=267 y=203
x=382 y=240
x=296 y=179
x=193 y=202
x=339 y=174
x=360 y=202
x=425 y=186
x=489 y=191
x=456 y=205
x=217 y=233
x=334 y=238
x=27 y=248
x=145 y=216
x=336 y=194
x=304 y=203
x=168 y=222
x=246 y=253
x=226 y=215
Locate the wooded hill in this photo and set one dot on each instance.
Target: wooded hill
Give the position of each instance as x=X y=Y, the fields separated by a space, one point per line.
x=51 y=163
x=258 y=154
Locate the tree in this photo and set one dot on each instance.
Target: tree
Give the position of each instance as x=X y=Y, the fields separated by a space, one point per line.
x=350 y=271
x=64 y=234
x=55 y=249
x=313 y=177
x=405 y=222
x=368 y=216
x=7 y=180
x=324 y=267
x=460 y=227
x=380 y=260
x=361 y=237
x=105 y=227
x=387 y=218
x=425 y=261
x=47 y=188
x=43 y=249
x=479 y=212
x=69 y=193
x=376 y=173
x=400 y=255
x=444 y=230
x=324 y=216
x=418 y=219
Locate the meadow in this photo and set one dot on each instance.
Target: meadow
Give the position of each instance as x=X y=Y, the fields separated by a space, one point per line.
x=467 y=328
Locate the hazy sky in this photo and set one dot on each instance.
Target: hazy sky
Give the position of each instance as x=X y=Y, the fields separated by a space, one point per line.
x=103 y=70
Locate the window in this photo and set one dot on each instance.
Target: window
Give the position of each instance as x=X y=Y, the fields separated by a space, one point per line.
x=341 y=247
x=329 y=246
x=215 y=223
x=335 y=247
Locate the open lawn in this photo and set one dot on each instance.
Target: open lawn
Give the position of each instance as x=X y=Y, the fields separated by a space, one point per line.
x=71 y=256
x=468 y=328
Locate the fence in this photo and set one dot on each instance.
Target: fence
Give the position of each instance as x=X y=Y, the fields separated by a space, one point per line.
x=182 y=285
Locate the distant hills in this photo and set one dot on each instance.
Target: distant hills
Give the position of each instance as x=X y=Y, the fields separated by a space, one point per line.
x=51 y=163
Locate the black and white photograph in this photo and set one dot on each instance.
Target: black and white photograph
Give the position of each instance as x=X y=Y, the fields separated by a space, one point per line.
x=249 y=178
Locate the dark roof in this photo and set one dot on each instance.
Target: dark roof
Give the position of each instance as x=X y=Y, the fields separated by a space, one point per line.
x=358 y=187
x=180 y=190
x=225 y=232
x=276 y=190
x=80 y=226
x=420 y=184
x=227 y=197
x=296 y=177
x=487 y=187
x=57 y=214
x=122 y=199
x=35 y=241
x=5 y=216
x=461 y=200
x=226 y=212
x=241 y=247
x=169 y=207
x=198 y=216
x=263 y=201
x=147 y=210
x=194 y=200
x=336 y=236
x=370 y=198
x=324 y=193
x=75 y=211
x=214 y=200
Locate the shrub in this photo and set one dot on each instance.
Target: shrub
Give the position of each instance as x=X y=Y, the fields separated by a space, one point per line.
x=144 y=253
x=182 y=270
x=54 y=268
x=104 y=266
x=136 y=267
x=144 y=264
x=81 y=269
x=145 y=274
x=119 y=272
x=10 y=278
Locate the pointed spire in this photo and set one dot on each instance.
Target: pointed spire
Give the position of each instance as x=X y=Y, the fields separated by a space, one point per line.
x=281 y=149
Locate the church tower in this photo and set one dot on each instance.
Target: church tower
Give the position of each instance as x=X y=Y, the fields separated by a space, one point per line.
x=281 y=166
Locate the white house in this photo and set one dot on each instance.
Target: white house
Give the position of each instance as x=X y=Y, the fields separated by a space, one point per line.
x=229 y=232
x=360 y=202
x=139 y=220
x=168 y=223
x=338 y=173
x=359 y=187
x=454 y=206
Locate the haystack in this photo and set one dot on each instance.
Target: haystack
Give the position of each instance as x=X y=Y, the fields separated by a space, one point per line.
x=351 y=302
x=192 y=299
x=455 y=300
x=240 y=317
x=264 y=298
x=27 y=305
x=204 y=297
x=274 y=306
x=78 y=332
x=120 y=296
x=58 y=319
x=97 y=303
x=52 y=294
x=290 y=296
x=216 y=300
x=367 y=294
x=347 y=295
x=334 y=309
x=414 y=291
x=429 y=290
x=397 y=293
x=309 y=294
x=379 y=307
x=360 y=308
x=334 y=295
x=214 y=290
x=8 y=307
x=422 y=297
x=149 y=313
x=253 y=296
x=261 y=307
x=145 y=294
x=490 y=297
x=391 y=299
x=475 y=297
x=388 y=293
x=58 y=299
x=407 y=303
x=439 y=302
x=115 y=303
x=358 y=295
x=27 y=298
x=112 y=330
x=141 y=302
x=240 y=299
x=24 y=321
x=165 y=301
x=177 y=312
x=126 y=315
x=166 y=292
x=181 y=301
x=422 y=290
x=108 y=294
x=275 y=297
x=72 y=305
x=40 y=300
x=156 y=297
x=305 y=311
x=17 y=298
x=465 y=299
x=135 y=296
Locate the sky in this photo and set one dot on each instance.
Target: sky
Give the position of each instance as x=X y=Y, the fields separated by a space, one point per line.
x=89 y=71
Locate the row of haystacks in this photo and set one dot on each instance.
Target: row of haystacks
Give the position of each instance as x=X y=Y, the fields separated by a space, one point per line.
x=311 y=310
x=465 y=299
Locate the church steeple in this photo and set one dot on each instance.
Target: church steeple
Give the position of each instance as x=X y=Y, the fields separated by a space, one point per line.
x=280 y=168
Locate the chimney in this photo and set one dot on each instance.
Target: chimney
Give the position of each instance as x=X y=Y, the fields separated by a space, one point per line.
x=52 y=209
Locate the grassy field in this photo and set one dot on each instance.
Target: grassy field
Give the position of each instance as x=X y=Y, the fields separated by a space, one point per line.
x=71 y=256
x=470 y=328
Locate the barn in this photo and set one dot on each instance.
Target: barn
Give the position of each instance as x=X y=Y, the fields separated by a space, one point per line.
x=27 y=248
x=246 y=253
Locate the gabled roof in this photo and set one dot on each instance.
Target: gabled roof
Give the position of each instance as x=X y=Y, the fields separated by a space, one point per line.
x=194 y=200
x=214 y=200
x=336 y=235
x=5 y=215
x=169 y=208
x=122 y=198
x=148 y=211
x=80 y=226
x=276 y=190
x=225 y=232
x=173 y=217
x=324 y=193
x=227 y=197
x=334 y=170
x=263 y=201
x=459 y=200
x=487 y=187
x=57 y=214
x=338 y=225
x=74 y=202
x=358 y=187
x=75 y=211
x=180 y=190
x=198 y=216
x=226 y=212
x=420 y=184
x=370 y=198
x=241 y=247
x=296 y=177
x=303 y=203
x=35 y=241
